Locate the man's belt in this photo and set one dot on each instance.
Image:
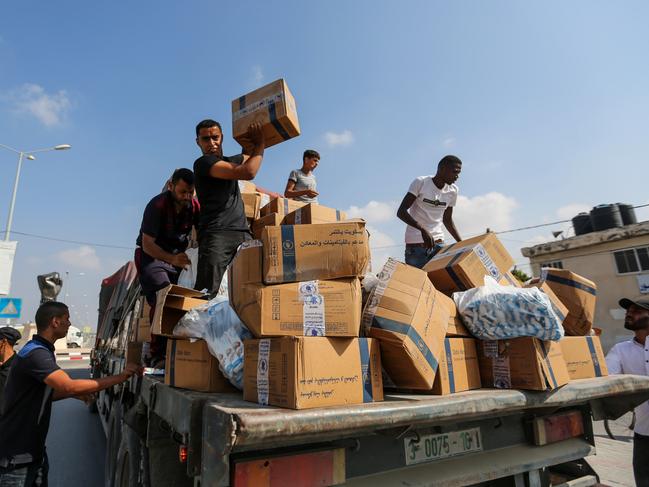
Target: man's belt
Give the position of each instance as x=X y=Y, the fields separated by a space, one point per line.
x=422 y=244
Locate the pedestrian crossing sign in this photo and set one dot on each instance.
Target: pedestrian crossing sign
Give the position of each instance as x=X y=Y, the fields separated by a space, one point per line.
x=10 y=307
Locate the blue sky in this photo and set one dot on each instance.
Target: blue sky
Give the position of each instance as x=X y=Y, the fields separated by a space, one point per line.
x=545 y=103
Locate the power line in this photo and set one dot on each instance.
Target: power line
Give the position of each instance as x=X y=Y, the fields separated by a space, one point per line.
x=76 y=242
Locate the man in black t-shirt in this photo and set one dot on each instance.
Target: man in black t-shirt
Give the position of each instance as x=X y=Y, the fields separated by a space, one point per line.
x=8 y=338
x=223 y=225
x=34 y=382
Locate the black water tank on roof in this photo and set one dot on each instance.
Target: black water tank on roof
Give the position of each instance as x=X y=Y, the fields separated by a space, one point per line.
x=628 y=214
x=604 y=217
x=582 y=224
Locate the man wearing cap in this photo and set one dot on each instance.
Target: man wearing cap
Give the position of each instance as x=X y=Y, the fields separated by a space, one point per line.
x=8 y=338
x=632 y=357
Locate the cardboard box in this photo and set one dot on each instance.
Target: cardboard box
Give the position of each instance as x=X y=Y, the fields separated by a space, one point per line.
x=456 y=327
x=558 y=306
x=281 y=206
x=584 y=357
x=404 y=314
x=309 y=372
x=247 y=186
x=172 y=302
x=314 y=213
x=133 y=353
x=270 y=220
x=459 y=369
x=465 y=264
x=522 y=363
x=578 y=294
x=142 y=330
x=293 y=253
x=251 y=204
x=190 y=365
x=271 y=105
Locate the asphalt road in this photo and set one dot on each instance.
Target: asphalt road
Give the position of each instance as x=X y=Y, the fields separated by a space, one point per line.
x=76 y=444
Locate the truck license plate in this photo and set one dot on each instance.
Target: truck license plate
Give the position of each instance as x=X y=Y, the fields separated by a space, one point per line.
x=434 y=447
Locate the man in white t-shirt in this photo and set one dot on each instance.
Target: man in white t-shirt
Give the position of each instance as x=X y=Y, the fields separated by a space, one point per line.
x=632 y=357
x=427 y=208
x=301 y=185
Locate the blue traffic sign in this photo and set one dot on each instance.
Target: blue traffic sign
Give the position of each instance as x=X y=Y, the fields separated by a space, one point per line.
x=10 y=307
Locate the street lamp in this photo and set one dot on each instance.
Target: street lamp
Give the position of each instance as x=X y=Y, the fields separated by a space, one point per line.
x=29 y=155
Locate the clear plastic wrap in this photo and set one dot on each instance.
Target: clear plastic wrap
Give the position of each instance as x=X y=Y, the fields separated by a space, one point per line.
x=494 y=312
x=187 y=277
x=218 y=324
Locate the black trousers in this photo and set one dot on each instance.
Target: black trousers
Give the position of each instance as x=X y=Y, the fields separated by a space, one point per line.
x=215 y=252
x=641 y=460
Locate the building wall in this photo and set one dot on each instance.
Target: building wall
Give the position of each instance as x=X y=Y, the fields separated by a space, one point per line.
x=597 y=263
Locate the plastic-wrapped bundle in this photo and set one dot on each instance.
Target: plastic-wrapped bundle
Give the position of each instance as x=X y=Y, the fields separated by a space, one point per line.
x=218 y=324
x=494 y=312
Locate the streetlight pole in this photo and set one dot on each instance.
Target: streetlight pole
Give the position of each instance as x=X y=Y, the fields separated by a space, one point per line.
x=21 y=155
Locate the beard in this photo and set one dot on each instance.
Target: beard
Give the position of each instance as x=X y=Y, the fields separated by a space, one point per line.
x=639 y=324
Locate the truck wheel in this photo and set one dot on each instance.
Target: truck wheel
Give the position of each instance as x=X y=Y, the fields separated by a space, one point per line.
x=129 y=458
x=113 y=441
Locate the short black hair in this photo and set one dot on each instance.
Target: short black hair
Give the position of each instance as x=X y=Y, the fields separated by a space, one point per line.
x=47 y=311
x=206 y=124
x=310 y=153
x=448 y=161
x=183 y=173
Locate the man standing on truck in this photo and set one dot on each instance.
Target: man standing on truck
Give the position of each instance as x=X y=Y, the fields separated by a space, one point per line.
x=301 y=185
x=427 y=205
x=223 y=225
x=8 y=338
x=632 y=357
x=33 y=383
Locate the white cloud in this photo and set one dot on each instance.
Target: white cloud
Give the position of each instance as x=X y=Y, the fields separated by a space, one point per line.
x=571 y=210
x=32 y=99
x=257 y=76
x=383 y=246
x=474 y=215
x=374 y=211
x=341 y=139
x=83 y=257
x=449 y=142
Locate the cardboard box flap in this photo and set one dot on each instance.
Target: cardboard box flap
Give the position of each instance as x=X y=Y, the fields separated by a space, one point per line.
x=172 y=302
x=554 y=371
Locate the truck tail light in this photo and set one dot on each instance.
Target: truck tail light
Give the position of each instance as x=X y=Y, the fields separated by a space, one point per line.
x=557 y=427
x=182 y=453
x=306 y=469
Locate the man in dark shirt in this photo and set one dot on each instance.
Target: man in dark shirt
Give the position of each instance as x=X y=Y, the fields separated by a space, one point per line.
x=165 y=233
x=8 y=338
x=34 y=382
x=223 y=225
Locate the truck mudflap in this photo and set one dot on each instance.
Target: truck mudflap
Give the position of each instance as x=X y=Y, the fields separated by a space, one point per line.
x=232 y=426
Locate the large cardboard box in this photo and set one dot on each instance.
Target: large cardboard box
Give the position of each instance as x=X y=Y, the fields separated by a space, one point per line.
x=247 y=186
x=558 y=306
x=584 y=357
x=270 y=220
x=271 y=105
x=464 y=265
x=522 y=363
x=309 y=372
x=172 y=302
x=251 y=204
x=142 y=330
x=309 y=308
x=293 y=253
x=281 y=206
x=405 y=315
x=313 y=213
x=455 y=327
x=578 y=294
x=459 y=369
x=190 y=365
x=133 y=353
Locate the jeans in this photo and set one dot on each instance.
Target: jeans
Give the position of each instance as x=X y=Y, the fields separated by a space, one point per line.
x=215 y=252
x=641 y=460
x=419 y=256
x=30 y=475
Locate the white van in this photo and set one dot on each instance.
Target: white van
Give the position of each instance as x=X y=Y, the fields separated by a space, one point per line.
x=74 y=338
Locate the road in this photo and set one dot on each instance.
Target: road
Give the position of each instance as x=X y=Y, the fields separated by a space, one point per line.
x=76 y=444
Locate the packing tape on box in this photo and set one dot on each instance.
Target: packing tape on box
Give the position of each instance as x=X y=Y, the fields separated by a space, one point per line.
x=288 y=253
x=263 y=359
x=502 y=373
x=377 y=294
x=546 y=358
x=593 y=354
x=172 y=364
x=313 y=309
x=479 y=251
x=298 y=216
x=545 y=276
x=268 y=102
x=411 y=333
x=449 y=364
x=366 y=370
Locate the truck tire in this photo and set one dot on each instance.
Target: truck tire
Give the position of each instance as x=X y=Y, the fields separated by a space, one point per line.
x=129 y=459
x=113 y=441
